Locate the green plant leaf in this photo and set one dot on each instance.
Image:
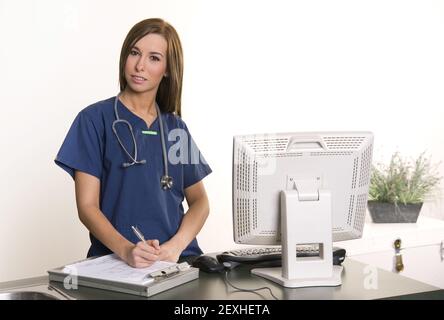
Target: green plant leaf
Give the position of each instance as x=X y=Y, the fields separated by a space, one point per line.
x=403 y=181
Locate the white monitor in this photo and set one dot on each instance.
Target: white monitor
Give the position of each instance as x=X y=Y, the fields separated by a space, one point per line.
x=301 y=188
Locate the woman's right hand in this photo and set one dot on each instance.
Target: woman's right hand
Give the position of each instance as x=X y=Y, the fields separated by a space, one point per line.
x=143 y=254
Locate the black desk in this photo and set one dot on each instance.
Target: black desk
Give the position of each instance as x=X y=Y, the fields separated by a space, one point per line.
x=213 y=287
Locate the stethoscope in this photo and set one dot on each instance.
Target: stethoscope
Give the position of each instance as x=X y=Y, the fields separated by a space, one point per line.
x=166 y=182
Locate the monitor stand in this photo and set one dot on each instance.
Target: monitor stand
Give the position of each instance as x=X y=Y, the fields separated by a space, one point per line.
x=305 y=219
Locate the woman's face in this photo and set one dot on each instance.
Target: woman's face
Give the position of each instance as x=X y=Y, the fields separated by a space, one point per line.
x=146 y=64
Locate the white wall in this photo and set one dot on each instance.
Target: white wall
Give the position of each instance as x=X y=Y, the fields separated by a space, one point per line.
x=250 y=66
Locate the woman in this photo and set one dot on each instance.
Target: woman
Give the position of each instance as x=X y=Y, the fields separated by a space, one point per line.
x=125 y=174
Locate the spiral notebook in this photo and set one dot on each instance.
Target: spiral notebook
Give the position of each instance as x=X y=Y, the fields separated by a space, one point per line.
x=111 y=273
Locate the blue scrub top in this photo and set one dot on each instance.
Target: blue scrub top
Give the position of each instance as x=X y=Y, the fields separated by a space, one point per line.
x=133 y=196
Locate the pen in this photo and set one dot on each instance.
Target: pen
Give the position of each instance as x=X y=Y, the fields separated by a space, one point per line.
x=138 y=233
x=142 y=238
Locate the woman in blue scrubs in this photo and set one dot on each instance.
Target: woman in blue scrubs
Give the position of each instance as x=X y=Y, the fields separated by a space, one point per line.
x=124 y=174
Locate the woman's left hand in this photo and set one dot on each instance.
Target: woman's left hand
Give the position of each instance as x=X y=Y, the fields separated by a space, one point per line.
x=169 y=251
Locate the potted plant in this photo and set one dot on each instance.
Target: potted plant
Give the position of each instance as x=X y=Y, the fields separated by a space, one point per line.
x=397 y=191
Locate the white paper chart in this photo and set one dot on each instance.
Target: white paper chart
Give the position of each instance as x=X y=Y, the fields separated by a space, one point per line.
x=111 y=267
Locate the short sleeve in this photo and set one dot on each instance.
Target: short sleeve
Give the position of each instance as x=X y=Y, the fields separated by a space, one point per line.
x=82 y=148
x=196 y=167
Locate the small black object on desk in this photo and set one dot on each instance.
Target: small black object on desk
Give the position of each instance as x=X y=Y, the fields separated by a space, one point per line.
x=208 y=264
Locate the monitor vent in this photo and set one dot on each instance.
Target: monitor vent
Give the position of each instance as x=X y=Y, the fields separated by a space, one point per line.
x=333 y=153
x=282 y=155
x=350 y=210
x=243 y=171
x=243 y=216
x=361 y=205
x=267 y=232
x=254 y=214
x=254 y=176
x=365 y=166
x=355 y=172
x=266 y=145
x=343 y=142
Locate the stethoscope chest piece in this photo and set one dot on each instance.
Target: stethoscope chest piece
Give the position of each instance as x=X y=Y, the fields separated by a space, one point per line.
x=166 y=182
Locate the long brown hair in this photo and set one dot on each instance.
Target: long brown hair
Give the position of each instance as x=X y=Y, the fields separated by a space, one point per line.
x=170 y=88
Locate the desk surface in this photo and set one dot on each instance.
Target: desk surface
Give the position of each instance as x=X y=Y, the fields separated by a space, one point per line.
x=213 y=287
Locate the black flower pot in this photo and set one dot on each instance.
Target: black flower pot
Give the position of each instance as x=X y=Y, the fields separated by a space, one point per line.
x=384 y=212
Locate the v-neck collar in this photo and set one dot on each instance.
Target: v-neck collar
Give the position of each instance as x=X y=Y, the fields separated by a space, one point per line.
x=141 y=122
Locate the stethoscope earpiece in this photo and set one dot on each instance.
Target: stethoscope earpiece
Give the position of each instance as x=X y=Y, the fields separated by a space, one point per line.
x=166 y=182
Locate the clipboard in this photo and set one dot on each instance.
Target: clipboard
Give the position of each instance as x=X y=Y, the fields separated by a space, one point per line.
x=163 y=279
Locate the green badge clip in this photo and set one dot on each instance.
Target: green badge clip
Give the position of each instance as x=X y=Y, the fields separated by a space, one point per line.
x=149 y=132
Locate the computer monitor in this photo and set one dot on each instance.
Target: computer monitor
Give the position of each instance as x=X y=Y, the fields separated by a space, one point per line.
x=301 y=188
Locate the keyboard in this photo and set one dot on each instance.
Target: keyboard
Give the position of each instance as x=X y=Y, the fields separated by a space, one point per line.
x=271 y=256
